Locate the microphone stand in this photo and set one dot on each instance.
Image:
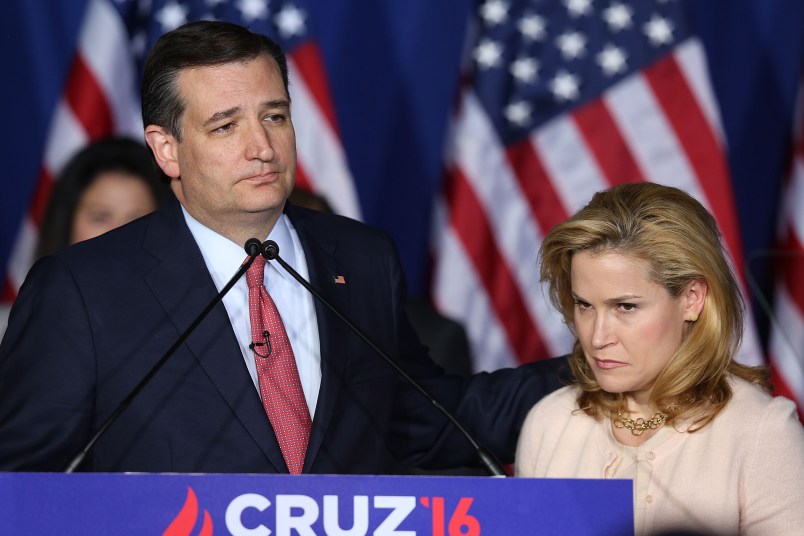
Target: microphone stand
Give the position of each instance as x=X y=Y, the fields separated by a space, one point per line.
x=252 y=248
x=270 y=250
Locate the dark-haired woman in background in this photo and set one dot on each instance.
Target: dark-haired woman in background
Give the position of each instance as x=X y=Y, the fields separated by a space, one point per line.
x=105 y=185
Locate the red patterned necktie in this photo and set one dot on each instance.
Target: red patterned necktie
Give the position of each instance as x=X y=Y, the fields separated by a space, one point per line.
x=280 y=387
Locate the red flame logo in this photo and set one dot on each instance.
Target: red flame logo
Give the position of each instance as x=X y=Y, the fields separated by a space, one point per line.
x=183 y=523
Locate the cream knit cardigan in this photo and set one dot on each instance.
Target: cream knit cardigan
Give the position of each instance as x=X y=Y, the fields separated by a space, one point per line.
x=741 y=474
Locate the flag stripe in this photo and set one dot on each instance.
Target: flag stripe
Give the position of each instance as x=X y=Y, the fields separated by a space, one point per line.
x=459 y=294
x=308 y=63
x=787 y=344
x=691 y=61
x=791 y=267
x=791 y=207
x=104 y=48
x=44 y=185
x=699 y=144
x=545 y=205
x=302 y=180
x=21 y=257
x=607 y=144
x=66 y=136
x=649 y=135
x=320 y=151
x=515 y=232
x=572 y=169
x=87 y=100
x=9 y=293
x=478 y=239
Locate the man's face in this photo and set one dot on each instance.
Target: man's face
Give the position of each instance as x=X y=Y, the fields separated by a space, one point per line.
x=237 y=157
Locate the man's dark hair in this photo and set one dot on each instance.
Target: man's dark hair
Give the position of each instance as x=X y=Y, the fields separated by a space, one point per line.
x=196 y=44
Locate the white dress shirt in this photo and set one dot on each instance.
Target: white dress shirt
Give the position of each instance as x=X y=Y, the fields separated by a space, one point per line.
x=295 y=304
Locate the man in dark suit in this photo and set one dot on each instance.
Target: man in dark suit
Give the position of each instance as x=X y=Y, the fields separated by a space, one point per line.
x=92 y=320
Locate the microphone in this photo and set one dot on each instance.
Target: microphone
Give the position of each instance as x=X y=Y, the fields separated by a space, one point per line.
x=270 y=250
x=253 y=248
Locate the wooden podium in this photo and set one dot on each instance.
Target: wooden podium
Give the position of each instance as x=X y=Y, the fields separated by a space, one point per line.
x=89 y=504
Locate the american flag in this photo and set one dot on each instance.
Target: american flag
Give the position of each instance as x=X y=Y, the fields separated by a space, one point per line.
x=563 y=98
x=101 y=96
x=786 y=344
x=559 y=98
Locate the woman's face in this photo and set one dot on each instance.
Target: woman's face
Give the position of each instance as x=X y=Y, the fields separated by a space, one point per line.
x=628 y=326
x=113 y=199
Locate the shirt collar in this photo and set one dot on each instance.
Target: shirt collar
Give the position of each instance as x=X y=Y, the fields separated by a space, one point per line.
x=223 y=256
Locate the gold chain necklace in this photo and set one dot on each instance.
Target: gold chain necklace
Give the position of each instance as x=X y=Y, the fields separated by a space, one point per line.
x=640 y=425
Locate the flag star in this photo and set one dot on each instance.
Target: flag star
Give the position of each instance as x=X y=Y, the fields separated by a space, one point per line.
x=659 y=31
x=290 y=21
x=572 y=45
x=172 y=15
x=565 y=86
x=252 y=10
x=494 y=12
x=618 y=17
x=612 y=60
x=139 y=42
x=488 y=54
x=577 y=8
x=531 y=27
x=518 y=113
x=524 y=69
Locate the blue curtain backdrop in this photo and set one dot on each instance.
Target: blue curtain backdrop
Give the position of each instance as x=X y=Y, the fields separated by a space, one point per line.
x=393 y=69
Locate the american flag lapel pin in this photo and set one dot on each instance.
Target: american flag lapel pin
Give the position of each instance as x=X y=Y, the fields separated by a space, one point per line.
x=338 y=280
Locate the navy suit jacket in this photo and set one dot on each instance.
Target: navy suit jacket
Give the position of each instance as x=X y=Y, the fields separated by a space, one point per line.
x=91 y=321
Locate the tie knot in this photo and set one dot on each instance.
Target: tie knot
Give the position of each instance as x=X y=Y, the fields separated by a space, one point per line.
x=256 y=272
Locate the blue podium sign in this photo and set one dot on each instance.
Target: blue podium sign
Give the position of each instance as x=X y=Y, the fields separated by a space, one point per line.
x=309 y=505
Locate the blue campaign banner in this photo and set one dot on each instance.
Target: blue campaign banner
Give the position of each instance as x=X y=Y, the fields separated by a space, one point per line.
x=263 y=505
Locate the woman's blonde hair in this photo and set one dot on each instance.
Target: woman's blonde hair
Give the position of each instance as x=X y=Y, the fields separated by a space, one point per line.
x=681 y=243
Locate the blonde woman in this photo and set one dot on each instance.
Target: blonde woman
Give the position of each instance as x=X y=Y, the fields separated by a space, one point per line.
x=642 y=281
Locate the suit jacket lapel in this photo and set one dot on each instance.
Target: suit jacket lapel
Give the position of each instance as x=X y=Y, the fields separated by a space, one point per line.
x=183 y=287
x=323 y=265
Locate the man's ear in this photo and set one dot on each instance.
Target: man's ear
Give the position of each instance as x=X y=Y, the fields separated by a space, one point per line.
x=694 y=298
x=164 y=147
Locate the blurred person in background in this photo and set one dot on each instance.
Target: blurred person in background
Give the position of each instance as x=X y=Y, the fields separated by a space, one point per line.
x=107 y=184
